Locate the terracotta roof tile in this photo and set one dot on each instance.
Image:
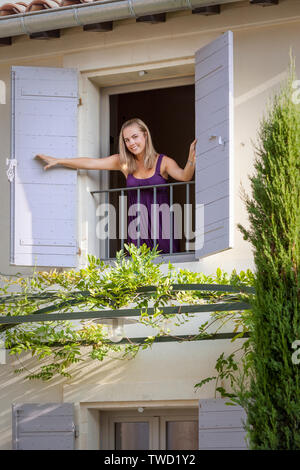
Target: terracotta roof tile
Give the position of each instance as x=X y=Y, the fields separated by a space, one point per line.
x=13 y=8
x=36 y=5
x=26 y=6
x=65 y=3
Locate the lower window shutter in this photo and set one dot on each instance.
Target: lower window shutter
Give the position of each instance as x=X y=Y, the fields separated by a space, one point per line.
x=44 y=104
x=214 y=183
x=47 y=426
x=221 y=426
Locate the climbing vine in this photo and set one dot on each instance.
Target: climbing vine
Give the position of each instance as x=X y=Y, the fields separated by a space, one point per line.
x=100 y=286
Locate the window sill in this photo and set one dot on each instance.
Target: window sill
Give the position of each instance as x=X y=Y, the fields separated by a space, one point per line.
x=167 y=258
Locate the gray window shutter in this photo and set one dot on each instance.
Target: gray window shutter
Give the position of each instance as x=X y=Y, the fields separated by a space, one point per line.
x=221 y=426
x=43 y=203
x=47 y=426
x=214 y=182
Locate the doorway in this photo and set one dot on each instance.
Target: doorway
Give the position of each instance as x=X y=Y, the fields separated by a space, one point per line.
x=170 y=115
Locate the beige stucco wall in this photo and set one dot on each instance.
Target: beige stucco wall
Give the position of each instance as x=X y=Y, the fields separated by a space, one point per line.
x=262 y=40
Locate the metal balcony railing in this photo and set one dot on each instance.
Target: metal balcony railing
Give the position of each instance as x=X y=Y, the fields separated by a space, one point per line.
x=186 y=223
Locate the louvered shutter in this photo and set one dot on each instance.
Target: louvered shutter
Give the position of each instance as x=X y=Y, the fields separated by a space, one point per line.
x=43 y=203
x=214 y=158
x=221 y=426
x=47 y=426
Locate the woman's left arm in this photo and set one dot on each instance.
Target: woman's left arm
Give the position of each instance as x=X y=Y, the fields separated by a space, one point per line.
x=187 y=172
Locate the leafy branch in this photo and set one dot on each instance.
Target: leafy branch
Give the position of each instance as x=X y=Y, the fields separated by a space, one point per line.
x=98 y=287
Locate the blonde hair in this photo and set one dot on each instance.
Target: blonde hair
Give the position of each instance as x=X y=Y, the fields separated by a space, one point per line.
x=128 y=159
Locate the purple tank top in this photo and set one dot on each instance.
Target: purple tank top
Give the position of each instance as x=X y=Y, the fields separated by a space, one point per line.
x=149 y=213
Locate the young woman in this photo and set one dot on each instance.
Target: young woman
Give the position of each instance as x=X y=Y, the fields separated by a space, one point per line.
x=141 y=166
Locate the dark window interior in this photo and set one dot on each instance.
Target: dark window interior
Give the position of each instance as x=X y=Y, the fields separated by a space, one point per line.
x=170 y=116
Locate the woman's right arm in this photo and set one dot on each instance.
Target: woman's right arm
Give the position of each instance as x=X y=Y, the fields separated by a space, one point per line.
x=107 y=163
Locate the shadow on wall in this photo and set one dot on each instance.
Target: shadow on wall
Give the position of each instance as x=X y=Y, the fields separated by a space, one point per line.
x=101 y=378
x=15 y=389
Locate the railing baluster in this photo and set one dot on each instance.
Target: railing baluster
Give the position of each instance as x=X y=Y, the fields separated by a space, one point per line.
x=187 y=221
x=155 y=228
x=107 y=238
x=122 y=220
x=155 y=216
x=171 y=218
x=139 y=217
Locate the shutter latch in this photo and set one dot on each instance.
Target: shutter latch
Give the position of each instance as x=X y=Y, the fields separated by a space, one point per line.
x=12 y=162
x=221 y=141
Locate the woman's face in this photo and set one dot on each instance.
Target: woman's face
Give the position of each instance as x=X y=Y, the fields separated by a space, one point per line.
x=135 y=139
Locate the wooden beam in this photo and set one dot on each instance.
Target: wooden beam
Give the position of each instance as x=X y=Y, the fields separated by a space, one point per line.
x=55 y=33
x=207 y=11
x=99 y=27
x=153 y=19
x=264 y=3
x=5 y=42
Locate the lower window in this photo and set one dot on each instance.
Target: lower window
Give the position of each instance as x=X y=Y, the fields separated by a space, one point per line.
x=143 y=429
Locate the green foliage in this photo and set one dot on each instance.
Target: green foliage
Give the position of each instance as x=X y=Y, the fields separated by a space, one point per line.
x=272 y=401
x=58 y=345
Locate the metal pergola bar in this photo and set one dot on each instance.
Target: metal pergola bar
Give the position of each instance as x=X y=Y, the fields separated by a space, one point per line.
x=203 y=287
x=145 y=289
x=166 y=339
x=134 y=312
x=158 y=339
x=11 y=321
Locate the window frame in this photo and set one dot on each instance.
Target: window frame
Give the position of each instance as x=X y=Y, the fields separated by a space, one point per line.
x=105 y=93
x=157 y=418
x=163 y=427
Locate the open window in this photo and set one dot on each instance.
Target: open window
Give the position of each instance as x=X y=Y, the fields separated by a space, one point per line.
x=44 y=120
x=202 y=209
x=164 y=110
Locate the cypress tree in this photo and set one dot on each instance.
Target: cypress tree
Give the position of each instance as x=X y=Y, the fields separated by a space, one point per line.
x=272 y=401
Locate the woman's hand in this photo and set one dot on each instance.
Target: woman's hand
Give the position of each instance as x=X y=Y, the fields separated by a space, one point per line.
x=192 y=154
x=170 y=166
x=51 y=161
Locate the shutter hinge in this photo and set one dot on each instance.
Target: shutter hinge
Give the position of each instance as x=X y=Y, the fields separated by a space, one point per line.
x=12 y=163
x=79 y=102
x=76 y=431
